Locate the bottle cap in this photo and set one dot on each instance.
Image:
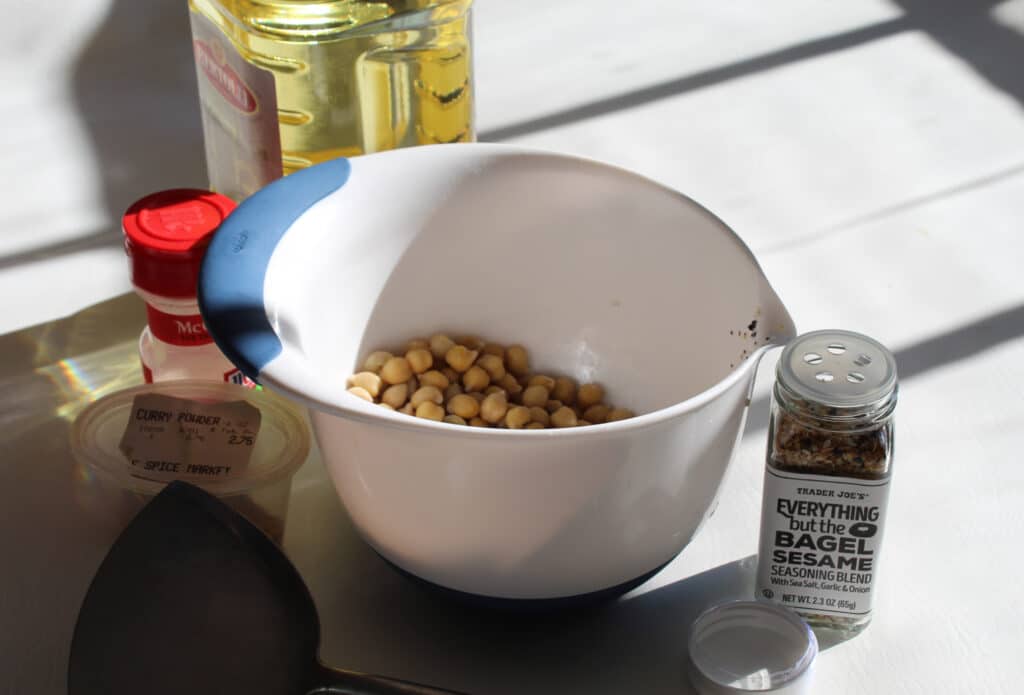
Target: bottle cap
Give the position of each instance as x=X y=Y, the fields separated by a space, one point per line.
x=751 y=647
x=166 y=235
x=838 y=368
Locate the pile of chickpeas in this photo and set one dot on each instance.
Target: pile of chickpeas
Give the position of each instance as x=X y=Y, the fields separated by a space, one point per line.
x=472 y=382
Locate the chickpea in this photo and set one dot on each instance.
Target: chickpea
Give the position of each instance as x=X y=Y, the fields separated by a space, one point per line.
x=597 y=413
x=538 y=414
x=467 y=381
x=589 y=394
x=518 y=360
x=440 y=344
x=619 y=414
x=434 y=378
x=517 y=417
x=509 y=383
x=564 y=417
x=494 y=407
x=426 y=393
x=460 y=358
x=452 y=391
x=396 y=395
x=464 y=406
x=420 y=360
x=376 y=360
x=360 y=392
x=430 y=410
x=493 y=365
x=416 y=344
x=396 y=370
x=472 y=342
x=475 y=379
x=366 y=380
x=494 y=349
x=536 y=395
x=541 y=380
x=565 y=390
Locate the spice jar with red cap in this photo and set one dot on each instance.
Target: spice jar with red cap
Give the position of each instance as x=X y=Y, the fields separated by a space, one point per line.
x=165 y=236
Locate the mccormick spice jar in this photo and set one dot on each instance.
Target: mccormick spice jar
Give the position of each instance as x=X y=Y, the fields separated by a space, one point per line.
x=165 y=236
x=826 y=486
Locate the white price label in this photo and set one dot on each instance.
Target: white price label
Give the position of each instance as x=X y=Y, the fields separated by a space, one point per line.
x=820 y=538
x=170 y=438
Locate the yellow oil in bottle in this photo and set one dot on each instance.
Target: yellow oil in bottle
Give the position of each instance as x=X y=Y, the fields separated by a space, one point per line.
x=349 y=77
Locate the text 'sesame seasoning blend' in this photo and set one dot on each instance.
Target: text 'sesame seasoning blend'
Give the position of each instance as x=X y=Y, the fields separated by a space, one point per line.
x=826 y=485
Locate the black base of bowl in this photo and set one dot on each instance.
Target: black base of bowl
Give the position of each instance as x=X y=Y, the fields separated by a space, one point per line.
x=530 y=605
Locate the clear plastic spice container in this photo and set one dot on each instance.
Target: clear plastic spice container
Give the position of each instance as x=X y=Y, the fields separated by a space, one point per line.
x=110 y=489
x=826 y=487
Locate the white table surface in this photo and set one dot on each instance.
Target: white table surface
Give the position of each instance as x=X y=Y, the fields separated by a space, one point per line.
x=871 y=153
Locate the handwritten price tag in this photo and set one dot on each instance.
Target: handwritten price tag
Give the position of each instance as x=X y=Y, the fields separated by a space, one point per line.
x=170 y=438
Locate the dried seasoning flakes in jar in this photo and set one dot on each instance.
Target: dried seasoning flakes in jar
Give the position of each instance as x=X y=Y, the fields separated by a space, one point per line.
x=826 y=484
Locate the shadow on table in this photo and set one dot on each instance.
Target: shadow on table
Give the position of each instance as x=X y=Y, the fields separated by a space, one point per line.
x=378 y=621
x=965 y=28
x=134 y=86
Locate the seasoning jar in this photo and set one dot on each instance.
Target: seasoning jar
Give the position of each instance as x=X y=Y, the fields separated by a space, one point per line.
x=826 y=484
x=165 y=236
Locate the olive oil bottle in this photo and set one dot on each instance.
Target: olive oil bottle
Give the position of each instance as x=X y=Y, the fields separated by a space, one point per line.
x=284 y=84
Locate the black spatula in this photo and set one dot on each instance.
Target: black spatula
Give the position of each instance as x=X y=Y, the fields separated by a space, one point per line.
x=194 y=599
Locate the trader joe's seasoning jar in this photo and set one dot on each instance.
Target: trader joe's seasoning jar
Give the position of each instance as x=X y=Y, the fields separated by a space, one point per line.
x=826 y=485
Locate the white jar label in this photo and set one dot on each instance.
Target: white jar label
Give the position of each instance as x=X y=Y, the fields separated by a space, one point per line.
x=239 y=108
x=820 y=538
x=170 y=438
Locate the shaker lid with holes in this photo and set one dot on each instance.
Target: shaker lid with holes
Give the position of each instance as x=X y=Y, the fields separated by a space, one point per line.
x=838 y=368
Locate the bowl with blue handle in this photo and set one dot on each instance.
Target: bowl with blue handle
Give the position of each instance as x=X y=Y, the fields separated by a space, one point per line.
x=603 y=274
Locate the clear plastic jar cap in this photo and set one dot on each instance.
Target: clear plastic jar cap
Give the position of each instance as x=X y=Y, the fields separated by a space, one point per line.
x=281 y=445
x=751 y=647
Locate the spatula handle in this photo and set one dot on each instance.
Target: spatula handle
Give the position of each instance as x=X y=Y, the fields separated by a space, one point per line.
x=338 y=682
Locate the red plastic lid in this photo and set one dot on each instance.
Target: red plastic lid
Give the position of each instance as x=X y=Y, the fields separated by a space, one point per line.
x=166 y=235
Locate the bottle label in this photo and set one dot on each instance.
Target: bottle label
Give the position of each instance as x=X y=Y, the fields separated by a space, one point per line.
x=820 y=537
x=177 y=329
x=238 y=102
x=170 y=438
x=236 y=377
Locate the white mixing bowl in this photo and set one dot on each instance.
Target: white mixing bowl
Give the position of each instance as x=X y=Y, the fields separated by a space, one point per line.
x=604 y=275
